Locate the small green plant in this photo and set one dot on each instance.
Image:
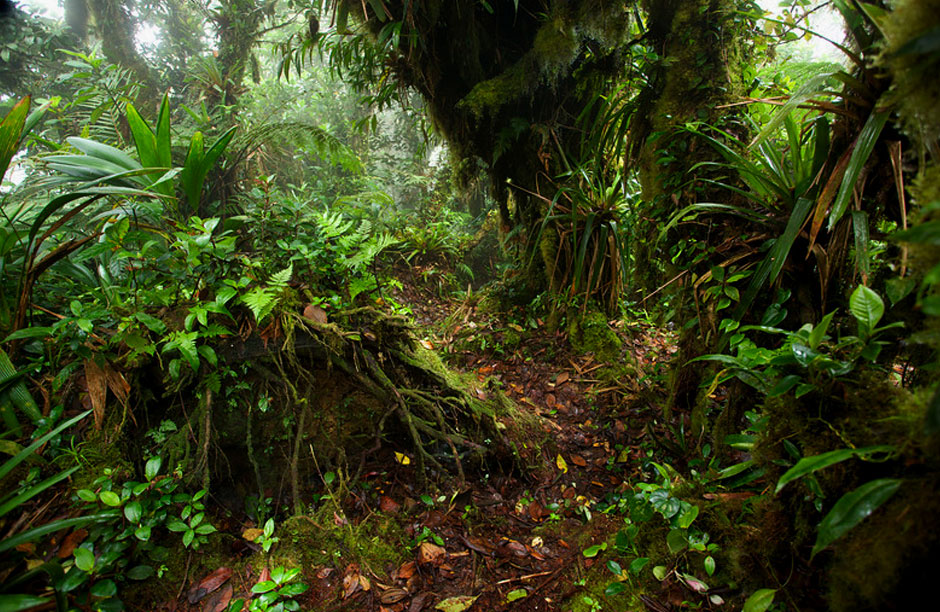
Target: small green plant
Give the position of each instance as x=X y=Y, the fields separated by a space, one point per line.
x=273 y=595
x=267 y=538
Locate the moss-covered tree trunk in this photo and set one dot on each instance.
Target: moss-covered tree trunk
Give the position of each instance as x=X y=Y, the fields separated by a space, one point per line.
x=701 y=48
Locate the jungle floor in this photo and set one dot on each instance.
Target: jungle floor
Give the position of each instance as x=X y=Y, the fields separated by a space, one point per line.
x=506 y=539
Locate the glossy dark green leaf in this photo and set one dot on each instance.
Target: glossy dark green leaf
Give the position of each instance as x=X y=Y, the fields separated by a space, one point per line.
x=867 y=307
x=104 y=588
x=16 y=603
x=84 y=559
x=760 y=601
x=140 y=572
x=852 y=508
x=808 y=465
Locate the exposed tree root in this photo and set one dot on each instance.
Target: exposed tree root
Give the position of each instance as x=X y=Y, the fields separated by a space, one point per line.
x=382 y=371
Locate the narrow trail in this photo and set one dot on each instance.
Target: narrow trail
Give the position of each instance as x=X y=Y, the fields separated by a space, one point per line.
x=503 y=540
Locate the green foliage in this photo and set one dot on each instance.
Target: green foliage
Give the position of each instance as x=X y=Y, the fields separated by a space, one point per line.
x=275 y=594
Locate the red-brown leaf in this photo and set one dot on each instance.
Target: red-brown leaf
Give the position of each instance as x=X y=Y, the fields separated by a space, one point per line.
x=209 y=584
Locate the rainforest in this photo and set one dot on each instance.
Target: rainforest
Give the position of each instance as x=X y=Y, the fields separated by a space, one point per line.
x=469 y=305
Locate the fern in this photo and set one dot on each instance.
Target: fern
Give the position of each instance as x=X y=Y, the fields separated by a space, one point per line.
x=300 y=135
x=261 y=301
x=283 y=277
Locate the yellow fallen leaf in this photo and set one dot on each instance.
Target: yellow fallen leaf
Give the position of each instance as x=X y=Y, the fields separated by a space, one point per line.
x=402 y=458
x=623 y=457
x=561 y=463
x=252 y=534
x=426 y=344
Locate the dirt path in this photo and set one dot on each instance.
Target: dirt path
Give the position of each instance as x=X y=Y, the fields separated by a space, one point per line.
x=503 y=540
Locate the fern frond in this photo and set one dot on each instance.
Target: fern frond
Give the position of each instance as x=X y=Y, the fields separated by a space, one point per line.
x=305 y=136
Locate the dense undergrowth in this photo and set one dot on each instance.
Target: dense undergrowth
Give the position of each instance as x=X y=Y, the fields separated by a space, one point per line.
x=261 y=337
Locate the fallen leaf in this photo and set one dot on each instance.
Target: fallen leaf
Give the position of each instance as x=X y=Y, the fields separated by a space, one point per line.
x=407 y=570
x=70 y=542
x=339 y=521
x=218 y=601
x=27 y=547
x=315 y=313
x=536 y=511
x=324 y=573
x=252 y=534
x=431 y=554
x=351 y=580
x=561 y=463
x=209 y=584
x=96 y=381
x=402 y=458
x=562 y=379
x=393 y=595
x=426 y=344
x=417 y=604
x=456 y=604
x=387 y=504
x=578 y=461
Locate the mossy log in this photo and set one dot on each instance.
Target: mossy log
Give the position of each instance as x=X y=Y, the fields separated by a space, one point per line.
x=353 y=385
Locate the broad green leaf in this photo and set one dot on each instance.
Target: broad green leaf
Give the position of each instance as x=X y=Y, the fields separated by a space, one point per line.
x=637 y=565
x=97 y=150
x=808 y=465
x=760 y=601
x=133 y=511
x=867 y=307
x=593 y=551
x=140 y=572
x=144 y=139
x=84 y=559
x=660 y=572
x=153 y=467
x=516 y=594
x=677 y=540
x=819 y=332
x=104 y=588
x=143 y=533
x=110 y=498
x=709 y=565
x=852 y=508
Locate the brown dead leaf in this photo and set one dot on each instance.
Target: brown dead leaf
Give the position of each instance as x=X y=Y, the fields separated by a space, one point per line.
x=316 y=314
x=324 y=573
x=352 y=580
x=550 y=400
x=426 y=344
x=431 y=554
x=97 y=382
x=407 y=570
x=387 y=504
x=536 y=512
x=26 y=547
x=420 y=601
x=218 y=601
x=339 y=521
x=70 y=542
x=562 y=379
x=393 y=595
x=209 y=584
x=578 y=460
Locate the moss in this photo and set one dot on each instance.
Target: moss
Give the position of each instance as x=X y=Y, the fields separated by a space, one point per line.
x=377 y=543
x=889 y=561
x=590 y=333
x=915 y=87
